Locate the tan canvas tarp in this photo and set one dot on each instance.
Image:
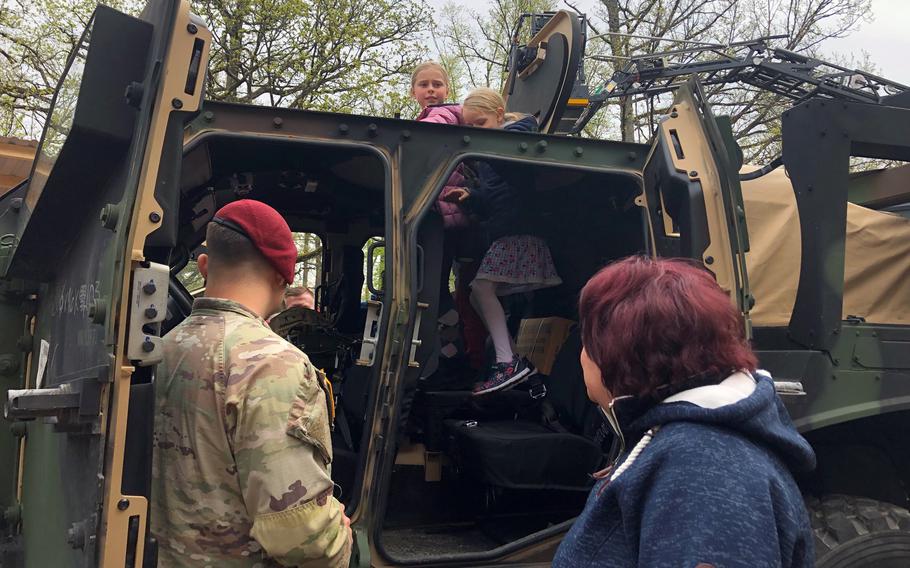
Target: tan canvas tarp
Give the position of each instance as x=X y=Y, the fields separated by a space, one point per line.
x=877 y=275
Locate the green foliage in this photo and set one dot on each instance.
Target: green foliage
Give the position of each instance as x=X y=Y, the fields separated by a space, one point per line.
x=356 y=55
x=336 y=55
x=681 y=23
x=308 y=271
x=190 y=277
x=35 y=40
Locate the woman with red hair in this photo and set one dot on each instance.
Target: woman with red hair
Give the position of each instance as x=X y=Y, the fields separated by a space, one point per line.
x=703 y=477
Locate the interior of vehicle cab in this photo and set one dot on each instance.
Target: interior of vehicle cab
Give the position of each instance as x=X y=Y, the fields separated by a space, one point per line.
x=472 y=475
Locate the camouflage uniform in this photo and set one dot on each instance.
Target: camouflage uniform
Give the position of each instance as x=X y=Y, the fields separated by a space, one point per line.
x=242 y=448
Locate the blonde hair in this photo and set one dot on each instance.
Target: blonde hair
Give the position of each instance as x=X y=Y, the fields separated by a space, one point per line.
x=485 y=99
x=430 y=65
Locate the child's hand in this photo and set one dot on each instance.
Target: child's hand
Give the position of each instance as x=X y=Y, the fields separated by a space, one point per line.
x=457 y=195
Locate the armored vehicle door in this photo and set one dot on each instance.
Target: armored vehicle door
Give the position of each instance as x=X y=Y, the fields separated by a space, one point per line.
x=81 y=301
x=692 y=194
x=545 y=75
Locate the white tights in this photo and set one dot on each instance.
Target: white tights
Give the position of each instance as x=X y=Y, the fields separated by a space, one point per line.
x=488 y=306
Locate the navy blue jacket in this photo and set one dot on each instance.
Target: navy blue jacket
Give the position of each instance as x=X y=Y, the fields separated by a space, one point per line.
x=501 y=203
x=713 y=486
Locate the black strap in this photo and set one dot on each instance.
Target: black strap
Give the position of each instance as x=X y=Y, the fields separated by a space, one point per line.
x=548 y=414
x=342 y=421
x=551 y=417
x=230 y=225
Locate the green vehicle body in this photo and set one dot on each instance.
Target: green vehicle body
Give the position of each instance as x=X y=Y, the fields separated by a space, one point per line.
x=124 y=187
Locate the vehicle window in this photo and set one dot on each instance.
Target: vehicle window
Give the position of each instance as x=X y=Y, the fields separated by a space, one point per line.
x=377 y=258
x=308 y=271
x=191 y=279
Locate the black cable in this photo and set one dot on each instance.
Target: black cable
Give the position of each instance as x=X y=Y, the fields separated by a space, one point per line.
x=775 y=163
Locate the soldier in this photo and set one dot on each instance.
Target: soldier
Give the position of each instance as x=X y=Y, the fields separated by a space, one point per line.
x=242 y=447
x=299 y=296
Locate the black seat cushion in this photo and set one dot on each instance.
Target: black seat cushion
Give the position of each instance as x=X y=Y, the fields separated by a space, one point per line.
x=433 y=408
x=524 y=455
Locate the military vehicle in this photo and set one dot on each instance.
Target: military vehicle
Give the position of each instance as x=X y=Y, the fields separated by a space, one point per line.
x=134 y=162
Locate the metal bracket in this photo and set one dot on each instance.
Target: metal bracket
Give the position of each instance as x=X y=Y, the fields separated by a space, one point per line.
x=82 y=536
x=370 y=334
x=8 y=244
x=148 y=308
x=415 y=339
x=74 y=406
x=360 y=551
x=537 y=391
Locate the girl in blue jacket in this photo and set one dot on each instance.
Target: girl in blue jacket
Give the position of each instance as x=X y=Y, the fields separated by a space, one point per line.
x=518 y=260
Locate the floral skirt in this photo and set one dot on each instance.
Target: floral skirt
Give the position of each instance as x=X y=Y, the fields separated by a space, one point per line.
x=518 y=263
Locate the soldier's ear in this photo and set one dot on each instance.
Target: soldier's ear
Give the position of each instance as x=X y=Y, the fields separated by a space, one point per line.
x=202 y=262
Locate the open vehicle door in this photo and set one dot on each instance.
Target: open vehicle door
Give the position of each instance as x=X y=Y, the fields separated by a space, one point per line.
x=81 y=296
x=692 y=193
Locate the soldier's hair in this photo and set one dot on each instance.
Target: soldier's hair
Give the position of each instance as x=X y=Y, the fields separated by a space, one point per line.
x=485 y=99
x=652 y=325
x=294 y=291
x=228 y=248
x=430 y=65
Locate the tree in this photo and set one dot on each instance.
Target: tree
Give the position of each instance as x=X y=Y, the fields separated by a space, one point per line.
x=475 y=47
x=339 y=55
x=35 y=40
x=308 y=271
x=632 y=28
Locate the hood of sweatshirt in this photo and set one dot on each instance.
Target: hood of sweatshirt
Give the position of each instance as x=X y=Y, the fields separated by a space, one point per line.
x=747 y=404
x=526 y=123
x=443 y=113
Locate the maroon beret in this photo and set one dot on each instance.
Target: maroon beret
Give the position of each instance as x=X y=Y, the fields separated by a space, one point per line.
x=266 y=229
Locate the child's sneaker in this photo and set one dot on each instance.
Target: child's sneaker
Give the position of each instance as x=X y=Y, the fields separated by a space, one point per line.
x=504 y=376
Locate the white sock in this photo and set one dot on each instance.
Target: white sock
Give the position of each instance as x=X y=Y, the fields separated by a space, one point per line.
x=487 y=304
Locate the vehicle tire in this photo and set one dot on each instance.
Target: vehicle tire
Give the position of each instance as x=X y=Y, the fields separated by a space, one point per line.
x=853 y=532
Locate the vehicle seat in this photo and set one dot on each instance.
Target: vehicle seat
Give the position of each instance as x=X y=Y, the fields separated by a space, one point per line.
x=523 y=454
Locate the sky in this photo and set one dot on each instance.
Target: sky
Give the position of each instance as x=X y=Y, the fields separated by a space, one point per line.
x=885 y=38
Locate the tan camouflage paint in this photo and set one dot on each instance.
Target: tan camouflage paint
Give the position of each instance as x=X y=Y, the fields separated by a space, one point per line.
x=242 y=448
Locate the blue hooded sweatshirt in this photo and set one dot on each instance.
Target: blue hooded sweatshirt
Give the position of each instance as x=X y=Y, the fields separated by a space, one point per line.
x=501 y=195
x=708 y=483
